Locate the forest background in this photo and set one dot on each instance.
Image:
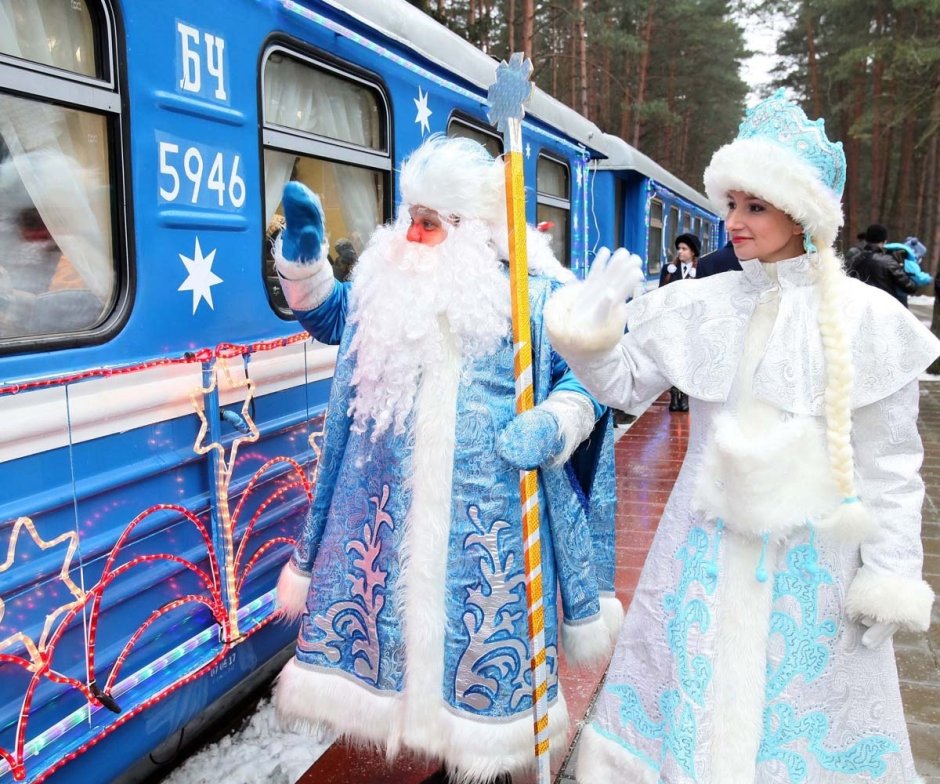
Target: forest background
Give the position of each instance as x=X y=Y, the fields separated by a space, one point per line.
x=665 y=76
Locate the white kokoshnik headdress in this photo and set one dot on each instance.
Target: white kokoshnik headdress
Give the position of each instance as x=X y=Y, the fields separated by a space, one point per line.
x=783 y=157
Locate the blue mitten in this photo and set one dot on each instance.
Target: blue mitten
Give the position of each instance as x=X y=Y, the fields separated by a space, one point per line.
x=302 y=238
x=532 y=439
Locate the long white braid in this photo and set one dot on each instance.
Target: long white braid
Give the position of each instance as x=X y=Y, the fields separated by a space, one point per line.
x=851 y=519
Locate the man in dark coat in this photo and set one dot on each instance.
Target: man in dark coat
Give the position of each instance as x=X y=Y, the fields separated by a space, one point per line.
x=874 y=266
x=721 y=260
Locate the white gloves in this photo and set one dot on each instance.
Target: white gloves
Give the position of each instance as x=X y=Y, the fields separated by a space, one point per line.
x=609 y=284
x=590 y=317
x=878 y=633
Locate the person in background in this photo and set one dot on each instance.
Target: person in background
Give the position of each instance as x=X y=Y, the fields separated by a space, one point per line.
x=718 y=261
x=920 y=250
x=874 y=266
x=757 y=647
x=683 y=267
x=685 y=263
x=855 y=249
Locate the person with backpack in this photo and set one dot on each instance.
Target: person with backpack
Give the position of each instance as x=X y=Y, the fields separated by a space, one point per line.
x=874 y=266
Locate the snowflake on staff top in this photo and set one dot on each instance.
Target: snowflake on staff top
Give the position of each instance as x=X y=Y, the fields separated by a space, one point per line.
x=510 y=92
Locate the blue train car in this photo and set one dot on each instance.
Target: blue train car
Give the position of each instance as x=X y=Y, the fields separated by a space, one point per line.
x=641 y=206
x=160 y=409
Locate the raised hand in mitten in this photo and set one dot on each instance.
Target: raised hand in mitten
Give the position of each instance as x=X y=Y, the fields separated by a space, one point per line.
x=300 y=259
x=302 y=238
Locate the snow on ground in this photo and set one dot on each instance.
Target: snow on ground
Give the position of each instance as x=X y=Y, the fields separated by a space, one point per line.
x=258 y=753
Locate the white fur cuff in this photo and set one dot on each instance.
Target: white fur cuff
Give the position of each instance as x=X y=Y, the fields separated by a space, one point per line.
x=575 y=416
x=305 y=286
x=586 y=643
x=292 y=587
x=567 y=333
x=888 y=598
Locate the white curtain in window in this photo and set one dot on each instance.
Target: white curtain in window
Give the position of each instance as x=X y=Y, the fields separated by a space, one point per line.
x=60 y=154
x=298 y=96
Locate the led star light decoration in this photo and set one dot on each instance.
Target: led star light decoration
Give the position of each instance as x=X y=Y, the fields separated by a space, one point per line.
x=201 y=278
x=510 y=92
x=36 y=650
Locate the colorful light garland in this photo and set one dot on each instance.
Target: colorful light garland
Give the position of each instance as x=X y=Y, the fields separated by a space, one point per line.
x=222 y=583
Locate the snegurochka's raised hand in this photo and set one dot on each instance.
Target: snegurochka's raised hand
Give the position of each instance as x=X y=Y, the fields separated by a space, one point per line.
x=612 y=280
x=590 y=316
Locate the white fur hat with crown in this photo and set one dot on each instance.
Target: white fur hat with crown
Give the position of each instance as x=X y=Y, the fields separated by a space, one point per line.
x=783 y=157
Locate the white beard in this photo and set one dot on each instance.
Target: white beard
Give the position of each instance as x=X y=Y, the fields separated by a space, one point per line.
x=405 y=299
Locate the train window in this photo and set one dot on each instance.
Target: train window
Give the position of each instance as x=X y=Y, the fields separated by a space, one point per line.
x=301 y=96
x=492 y=142
x=672 y=228
x=52 y=33
x=58 y=272
x=326 y=129
x=553 y=205
x=654 y=247
x=686 y=223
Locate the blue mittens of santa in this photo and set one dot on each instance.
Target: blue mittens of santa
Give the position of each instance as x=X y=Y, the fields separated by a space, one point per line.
x=302 y=238
x=530 y=440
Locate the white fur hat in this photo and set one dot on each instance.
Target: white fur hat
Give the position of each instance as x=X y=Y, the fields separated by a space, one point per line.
x=784 y=158
x=455 y=177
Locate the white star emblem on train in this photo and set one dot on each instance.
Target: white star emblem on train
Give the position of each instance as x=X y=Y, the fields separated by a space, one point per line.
x=424 y=114
x=201 y=278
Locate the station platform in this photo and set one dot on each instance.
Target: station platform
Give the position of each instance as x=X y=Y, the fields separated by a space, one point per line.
x=649 y=455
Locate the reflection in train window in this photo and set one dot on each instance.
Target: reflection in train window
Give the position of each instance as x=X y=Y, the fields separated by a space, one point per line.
x=327 y=130
x=654 y=245
x=58 y=272
x=492 y=142
x=553 y=205
x=672 y=230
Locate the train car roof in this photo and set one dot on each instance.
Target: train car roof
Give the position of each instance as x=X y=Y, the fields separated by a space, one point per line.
x=620 y=155
x=411 y=27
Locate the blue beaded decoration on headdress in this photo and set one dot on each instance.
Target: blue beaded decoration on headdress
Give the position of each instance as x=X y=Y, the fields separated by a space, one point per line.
x=786 y=124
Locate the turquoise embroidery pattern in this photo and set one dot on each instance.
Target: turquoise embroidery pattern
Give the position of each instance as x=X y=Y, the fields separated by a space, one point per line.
x=807 y=655
x=677 y=732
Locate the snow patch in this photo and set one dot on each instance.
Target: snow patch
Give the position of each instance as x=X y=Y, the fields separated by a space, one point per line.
x=258 y=753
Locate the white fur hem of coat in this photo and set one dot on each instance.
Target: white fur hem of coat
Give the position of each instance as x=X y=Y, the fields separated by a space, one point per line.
x=612 y=613
x=292 y=588
x=566 y=335
x=588 y=642
x=473 y=749
x=602 y=761
x=887 y=598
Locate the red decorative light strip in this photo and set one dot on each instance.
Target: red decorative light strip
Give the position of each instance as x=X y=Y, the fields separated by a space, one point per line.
x=223 y=350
